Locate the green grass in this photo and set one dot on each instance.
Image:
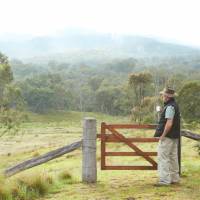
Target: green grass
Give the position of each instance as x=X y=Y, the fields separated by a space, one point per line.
x=62 y=176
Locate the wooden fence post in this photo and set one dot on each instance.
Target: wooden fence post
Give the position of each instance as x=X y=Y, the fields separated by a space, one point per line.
x=179 y=154
x=89 y=166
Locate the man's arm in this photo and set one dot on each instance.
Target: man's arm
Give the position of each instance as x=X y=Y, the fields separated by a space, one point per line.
x=167 y=128
x=169 y=115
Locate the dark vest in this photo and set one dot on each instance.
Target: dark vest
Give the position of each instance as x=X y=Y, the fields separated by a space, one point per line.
x=175 y=130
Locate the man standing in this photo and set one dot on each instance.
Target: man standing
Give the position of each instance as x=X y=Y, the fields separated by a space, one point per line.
x=168 y=131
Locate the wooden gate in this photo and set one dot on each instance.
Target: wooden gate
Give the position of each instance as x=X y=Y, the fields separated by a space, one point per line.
x=110 y=133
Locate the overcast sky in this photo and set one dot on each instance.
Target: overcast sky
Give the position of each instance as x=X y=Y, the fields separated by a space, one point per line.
x=171 y=19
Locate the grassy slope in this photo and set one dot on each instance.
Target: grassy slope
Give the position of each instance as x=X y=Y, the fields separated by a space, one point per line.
x=44 y=133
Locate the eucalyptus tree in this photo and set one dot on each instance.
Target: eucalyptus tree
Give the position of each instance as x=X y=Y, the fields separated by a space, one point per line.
x=139 y=83
x=189 y=98
x=6 y=76
x=10 y=98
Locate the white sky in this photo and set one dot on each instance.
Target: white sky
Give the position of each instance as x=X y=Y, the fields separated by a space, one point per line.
x=171 y=19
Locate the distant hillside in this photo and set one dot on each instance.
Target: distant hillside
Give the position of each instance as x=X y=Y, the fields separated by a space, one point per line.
x=80 y=46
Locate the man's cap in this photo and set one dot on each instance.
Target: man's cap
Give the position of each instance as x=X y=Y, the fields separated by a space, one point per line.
x=168 y=92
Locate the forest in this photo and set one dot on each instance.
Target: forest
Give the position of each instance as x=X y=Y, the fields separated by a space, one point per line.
x=128 y=86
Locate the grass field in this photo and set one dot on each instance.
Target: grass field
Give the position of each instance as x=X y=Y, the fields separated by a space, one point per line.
x=47 y=132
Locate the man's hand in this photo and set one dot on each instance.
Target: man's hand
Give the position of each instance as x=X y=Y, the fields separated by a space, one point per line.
x=161 y=137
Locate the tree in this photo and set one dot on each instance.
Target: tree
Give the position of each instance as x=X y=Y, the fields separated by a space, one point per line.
x=10 y=98
x=122 y=65
x=111 y=100
x=45 y=93
x=6 y=75
x=189 y=98
x=139 y=83
x=95 y=82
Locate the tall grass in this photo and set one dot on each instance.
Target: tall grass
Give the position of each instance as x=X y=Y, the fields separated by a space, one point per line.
x=26 y=187
x=66 y=177
x=31 y=186
x=5 y=193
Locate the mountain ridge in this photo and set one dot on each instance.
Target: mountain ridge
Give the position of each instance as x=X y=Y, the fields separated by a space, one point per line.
x=77 y=42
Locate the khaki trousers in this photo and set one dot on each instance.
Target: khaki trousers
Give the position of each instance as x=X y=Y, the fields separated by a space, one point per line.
x=168 y=167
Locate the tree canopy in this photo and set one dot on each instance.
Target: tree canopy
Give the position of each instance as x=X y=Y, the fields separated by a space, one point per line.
x=123 y=86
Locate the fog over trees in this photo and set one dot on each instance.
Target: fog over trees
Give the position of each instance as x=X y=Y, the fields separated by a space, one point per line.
x=120 y=76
